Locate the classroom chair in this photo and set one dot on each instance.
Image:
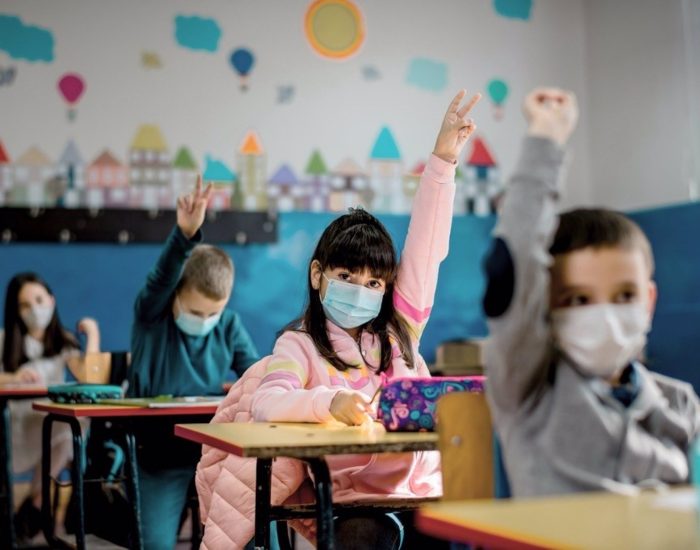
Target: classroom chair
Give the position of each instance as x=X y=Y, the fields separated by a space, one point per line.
x=466 y=443
x=101 y=368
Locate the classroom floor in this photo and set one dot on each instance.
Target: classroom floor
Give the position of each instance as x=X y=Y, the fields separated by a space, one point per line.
x=21 y=490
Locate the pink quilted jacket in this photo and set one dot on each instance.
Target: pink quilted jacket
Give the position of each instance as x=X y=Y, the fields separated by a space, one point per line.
x=295 y=384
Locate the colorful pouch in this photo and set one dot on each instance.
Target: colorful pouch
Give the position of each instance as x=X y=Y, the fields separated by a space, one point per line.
x=83 y=393
x=408 y=404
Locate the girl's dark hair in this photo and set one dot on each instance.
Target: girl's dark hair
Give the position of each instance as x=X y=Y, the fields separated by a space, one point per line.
x=56 y=338
x=357 y=241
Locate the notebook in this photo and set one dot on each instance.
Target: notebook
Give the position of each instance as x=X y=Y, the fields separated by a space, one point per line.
x=165 y=402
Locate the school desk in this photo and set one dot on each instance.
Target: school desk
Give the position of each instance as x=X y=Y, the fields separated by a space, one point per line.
x=70 y=414
x=266 y=441
x=585 y=521
x=7 y=393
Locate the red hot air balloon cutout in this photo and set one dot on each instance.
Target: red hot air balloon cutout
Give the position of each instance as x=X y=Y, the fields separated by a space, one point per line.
x=71 y=86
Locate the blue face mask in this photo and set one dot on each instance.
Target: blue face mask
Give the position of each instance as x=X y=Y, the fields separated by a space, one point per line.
x=349 y=305
x=194 y=325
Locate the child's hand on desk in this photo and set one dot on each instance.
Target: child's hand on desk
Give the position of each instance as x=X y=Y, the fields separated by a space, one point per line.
x=551 y=113
x=28 y=375
x=192 y=208
x=351 y=408
x=456 y=128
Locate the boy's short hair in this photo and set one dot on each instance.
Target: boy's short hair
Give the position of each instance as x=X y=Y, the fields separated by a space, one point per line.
x=600 y=228
x=208 y=270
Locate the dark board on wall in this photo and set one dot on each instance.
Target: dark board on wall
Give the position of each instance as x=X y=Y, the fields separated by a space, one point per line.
x=112 y=225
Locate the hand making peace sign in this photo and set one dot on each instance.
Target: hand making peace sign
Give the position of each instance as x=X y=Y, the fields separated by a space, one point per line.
x=456 y=128
x=191 y=209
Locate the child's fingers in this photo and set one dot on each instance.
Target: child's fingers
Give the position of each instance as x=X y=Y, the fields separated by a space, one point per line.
x=468 y=130
x=198 y=187
x=454 y=105
x=469 y=106
x=207 y=192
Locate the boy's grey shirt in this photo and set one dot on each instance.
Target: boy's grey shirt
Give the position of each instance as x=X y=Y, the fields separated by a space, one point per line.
x=562 y=431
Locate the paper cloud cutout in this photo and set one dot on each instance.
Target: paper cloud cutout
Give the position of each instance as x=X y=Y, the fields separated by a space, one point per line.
x=197 y=33
x=23 y=41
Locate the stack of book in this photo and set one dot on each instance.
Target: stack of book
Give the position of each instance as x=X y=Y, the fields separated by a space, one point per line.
x=459 y=358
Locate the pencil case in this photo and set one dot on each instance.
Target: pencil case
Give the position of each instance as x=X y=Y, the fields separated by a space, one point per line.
x=408 y=404
x=83 y=393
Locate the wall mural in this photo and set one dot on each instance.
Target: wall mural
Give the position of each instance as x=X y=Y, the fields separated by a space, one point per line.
x=150 y=172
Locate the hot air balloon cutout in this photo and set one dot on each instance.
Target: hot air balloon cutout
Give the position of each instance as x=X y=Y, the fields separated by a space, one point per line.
x=498 y=92
x=242 y=61
x=335 y=29
x=71 y=86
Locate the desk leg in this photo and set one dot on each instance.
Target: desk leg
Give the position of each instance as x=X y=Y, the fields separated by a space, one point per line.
x=324 y=503
x=76 y=479
x=7 y=526
x=263 y=485
x=132 y=488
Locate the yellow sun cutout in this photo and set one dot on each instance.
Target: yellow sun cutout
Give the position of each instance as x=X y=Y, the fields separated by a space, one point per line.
x=334 y=28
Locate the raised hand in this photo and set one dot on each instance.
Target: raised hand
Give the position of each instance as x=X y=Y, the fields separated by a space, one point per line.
x=456 y=128
x=551 y=113
x=88 y=327
x=350 y=408
x=91 y=330
x=192 y=208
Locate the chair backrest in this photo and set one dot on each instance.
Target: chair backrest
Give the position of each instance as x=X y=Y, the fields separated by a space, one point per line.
x=101 y=368
x=119 y=366
x=466 y=446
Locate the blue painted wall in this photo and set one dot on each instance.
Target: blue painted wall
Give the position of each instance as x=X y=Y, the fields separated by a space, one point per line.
x=674 y=343
x=102 y=280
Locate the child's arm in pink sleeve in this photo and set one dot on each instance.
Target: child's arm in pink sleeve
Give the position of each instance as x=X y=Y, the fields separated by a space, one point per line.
x=281 y=396
x=426 y=244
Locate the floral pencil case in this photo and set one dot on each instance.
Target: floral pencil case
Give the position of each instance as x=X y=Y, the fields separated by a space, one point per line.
x=408 y=404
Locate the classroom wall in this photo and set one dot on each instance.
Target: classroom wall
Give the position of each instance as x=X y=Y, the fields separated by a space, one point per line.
x=643 y=108
x=270 y=282
x=196 y=100
x=627 y=151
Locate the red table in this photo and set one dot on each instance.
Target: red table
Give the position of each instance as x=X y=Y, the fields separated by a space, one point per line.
x=70 y=414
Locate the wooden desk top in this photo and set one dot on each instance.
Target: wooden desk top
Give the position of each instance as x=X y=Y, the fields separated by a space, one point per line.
x=22 y=390
x=585 y=521
x=93 y=411
x=299 y=440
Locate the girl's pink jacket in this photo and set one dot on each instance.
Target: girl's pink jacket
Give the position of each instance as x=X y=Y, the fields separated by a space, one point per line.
x=295 y=384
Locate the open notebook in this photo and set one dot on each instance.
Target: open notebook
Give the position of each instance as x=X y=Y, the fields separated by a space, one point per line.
x=162 y=402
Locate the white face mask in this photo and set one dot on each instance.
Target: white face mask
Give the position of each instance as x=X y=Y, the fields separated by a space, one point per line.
x=37 y=317
x=601 y=339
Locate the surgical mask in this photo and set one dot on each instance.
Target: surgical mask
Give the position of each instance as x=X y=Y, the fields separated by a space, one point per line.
x=349 y=305
x=601 y=339
x=194 y=325
x=37 y=317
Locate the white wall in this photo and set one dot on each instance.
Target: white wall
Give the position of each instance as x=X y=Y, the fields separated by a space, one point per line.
x=639 y=102
x=196 y=101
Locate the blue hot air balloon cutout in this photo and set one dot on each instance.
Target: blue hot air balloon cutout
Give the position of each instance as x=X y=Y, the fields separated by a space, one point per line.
x=498 y=91
x=242 y=61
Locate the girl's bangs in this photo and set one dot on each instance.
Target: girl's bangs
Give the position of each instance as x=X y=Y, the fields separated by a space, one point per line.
x=364 y=247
